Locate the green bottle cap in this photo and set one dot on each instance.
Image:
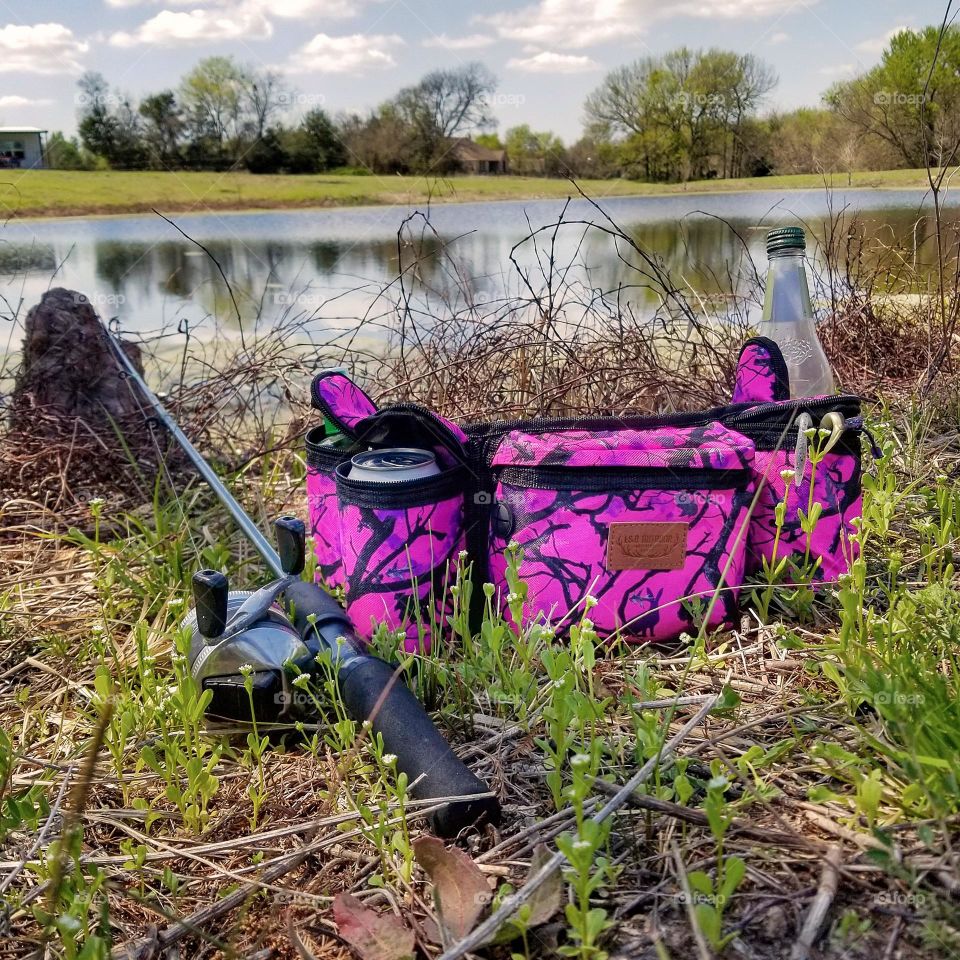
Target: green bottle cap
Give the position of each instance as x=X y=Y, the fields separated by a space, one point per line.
x=786 y=238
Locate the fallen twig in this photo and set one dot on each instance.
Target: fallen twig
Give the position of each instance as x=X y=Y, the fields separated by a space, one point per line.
x=817 y=913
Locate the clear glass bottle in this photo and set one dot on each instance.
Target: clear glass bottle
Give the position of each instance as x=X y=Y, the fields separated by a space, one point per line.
x=788 y=315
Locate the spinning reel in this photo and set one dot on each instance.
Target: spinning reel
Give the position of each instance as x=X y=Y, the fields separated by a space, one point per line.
x=234 y=629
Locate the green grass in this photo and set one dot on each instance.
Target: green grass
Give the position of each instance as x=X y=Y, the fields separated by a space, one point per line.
x=49 y=193
x=845 y=707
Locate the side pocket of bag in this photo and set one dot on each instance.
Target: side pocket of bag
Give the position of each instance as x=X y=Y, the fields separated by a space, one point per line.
x=400 y=543
x=777 y=532
x=323 y=458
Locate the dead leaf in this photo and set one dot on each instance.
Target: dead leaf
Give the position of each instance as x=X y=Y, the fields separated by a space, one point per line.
x=373 y=935
x=459 y=887
x=546 y=901
x=543 y=904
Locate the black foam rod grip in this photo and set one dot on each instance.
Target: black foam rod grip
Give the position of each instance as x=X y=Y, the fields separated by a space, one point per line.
x=291 y=543
x=210 y=590
x=371 y=690
x=407 y=732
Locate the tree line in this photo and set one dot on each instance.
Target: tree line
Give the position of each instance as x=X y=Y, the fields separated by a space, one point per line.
x=686 y=114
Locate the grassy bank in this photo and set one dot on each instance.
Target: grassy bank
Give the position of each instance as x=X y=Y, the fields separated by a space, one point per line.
x=52 y=193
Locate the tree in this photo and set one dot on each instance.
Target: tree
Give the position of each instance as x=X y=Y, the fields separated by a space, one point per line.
x=212 y=94
x=163 y=127
x=381 y=142
x=491 y=141
x=443 y=105
x=682 y=114
x=109 y=126
x=64 y=154
x=265 y=97
x=530 y=152
x=266 y=154
x=894 y=103
x=314 y=145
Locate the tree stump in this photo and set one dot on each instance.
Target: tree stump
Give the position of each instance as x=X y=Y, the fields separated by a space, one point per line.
x=78 y=428
x=68 y=369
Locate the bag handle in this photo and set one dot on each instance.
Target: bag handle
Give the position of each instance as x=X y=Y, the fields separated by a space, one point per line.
x=762 y=375
x=341 y=401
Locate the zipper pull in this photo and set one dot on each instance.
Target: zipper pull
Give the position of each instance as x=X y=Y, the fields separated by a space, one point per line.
x=804 y=423
x=835 y=423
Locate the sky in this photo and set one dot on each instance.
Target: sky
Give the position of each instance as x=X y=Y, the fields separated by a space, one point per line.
x=353 y=54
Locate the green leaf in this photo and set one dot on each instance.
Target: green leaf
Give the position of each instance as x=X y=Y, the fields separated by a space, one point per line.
x=701 y=882
x=734 y=870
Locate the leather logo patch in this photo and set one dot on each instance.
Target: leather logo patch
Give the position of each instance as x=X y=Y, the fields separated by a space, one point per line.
x=646 y=546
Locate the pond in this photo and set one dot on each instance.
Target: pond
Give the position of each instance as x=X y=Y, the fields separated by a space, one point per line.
x=332 y=264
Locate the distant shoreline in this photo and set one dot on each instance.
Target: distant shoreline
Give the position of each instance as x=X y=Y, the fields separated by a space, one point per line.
x=45 y=194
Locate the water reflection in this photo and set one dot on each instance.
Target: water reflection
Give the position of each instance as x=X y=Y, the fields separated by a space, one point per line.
x=332 y=264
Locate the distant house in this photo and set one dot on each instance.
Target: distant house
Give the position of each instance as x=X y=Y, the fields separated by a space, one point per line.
x=21 y=147
x=474 y=158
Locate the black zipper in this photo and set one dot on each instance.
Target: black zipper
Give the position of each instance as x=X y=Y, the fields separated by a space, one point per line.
x=623 y=478
x=452 y=442
x=418 y=492
x=736 y=416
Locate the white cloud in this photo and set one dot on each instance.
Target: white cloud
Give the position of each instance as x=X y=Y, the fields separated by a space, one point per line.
x=171 y=28
x=40 y=48
x=354 y=53
x=14 y=100
x=302 y=9
x=472 y=42
x=549 y=62
x=876 y=45
x=289 y=9
x=573 y=24
x=777 y=37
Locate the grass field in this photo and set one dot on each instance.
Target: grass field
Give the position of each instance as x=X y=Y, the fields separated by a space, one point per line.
x=50 y=193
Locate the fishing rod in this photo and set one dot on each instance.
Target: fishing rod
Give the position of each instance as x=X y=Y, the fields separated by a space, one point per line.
x=246 y=650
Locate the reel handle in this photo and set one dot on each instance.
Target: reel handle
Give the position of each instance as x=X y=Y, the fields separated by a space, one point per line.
x=370 y=689
x=210 y=591
x=291 y=543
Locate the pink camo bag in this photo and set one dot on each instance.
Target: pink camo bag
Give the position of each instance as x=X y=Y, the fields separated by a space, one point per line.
x=658 y=519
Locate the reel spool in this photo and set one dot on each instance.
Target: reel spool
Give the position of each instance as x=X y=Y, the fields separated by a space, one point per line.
x=236 y=628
